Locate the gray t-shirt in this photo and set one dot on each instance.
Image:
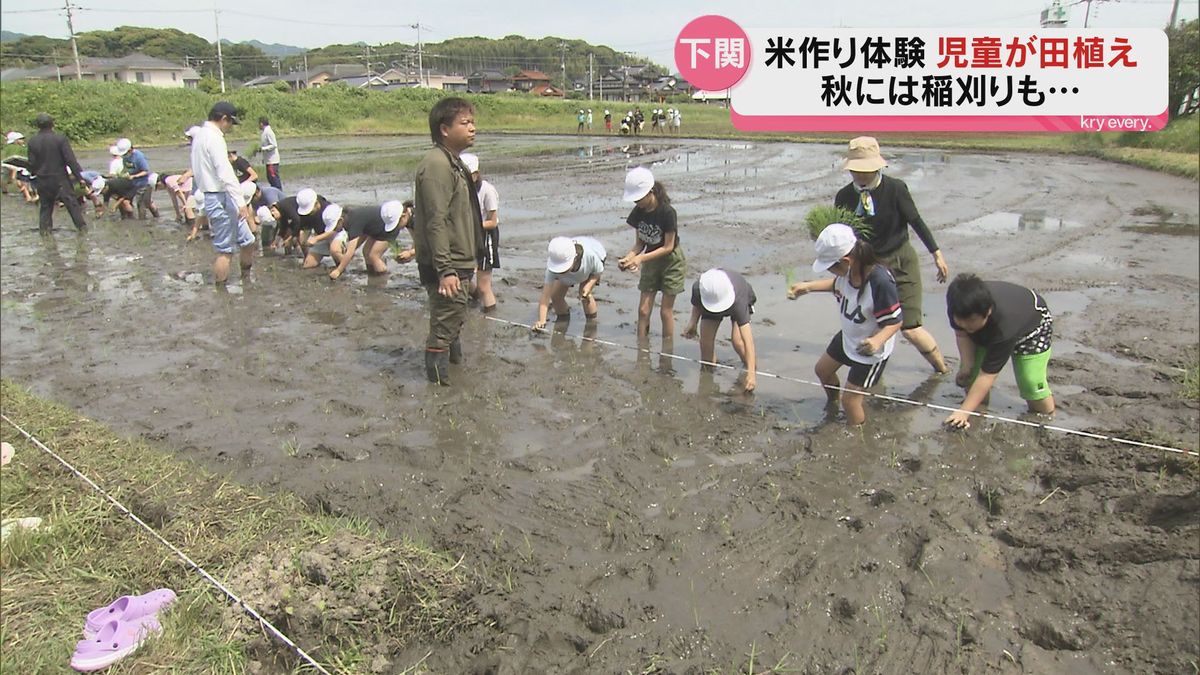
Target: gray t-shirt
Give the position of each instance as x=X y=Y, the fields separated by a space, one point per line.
x=743 y=301
x=592 y=264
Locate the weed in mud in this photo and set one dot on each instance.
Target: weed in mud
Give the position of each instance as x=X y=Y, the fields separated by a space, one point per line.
x=291 y=448
x=877 y=612
x=1189 y=381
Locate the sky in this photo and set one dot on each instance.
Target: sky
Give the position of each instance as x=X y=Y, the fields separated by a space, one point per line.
x=642 y=27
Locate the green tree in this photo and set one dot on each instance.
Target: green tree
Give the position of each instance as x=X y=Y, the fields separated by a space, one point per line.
x=1183 y=75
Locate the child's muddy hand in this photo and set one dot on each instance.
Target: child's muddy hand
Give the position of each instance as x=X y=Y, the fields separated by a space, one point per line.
x=866 y=348
x=539 y=326
x=959 y=419
x=796 y=290
x=689 y=333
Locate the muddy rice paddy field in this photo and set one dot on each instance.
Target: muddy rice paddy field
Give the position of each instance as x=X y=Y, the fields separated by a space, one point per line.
x=626 y=513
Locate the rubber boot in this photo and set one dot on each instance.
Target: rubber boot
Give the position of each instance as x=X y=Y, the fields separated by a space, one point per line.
x=437 y=366
x=456 y=355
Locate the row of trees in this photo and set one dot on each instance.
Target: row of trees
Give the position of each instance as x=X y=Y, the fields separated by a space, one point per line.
x=243 y=62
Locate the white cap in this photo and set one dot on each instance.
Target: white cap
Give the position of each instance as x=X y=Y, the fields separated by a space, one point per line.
x=114 y=151
x=248 y=189
x=123 y=145
x=306 y=201
x=638 y=182
x=391 y=212
x=153 y=178
x=470 y=160
x=98 y=185
x=562 y=255
x=263 y=214
x=14 y=136
x=716 y=291
x=331 y=215
x=606 y=112
x=191 y=132
x=835 y=242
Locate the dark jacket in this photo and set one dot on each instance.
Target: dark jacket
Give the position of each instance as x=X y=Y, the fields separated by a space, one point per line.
x=447 y=227
x=51 y=155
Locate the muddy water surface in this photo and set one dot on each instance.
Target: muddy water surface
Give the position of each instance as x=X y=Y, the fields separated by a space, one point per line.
x=628 y=512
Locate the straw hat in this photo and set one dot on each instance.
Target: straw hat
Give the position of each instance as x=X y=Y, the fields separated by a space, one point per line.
x=864 y=155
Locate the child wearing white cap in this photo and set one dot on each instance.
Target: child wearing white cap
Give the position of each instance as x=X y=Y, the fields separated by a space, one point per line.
x=869 y=305
x=330 y=241
x=656 y=251
x=572 y=261
x=715 y=295
x=489 y=256
x=372 y=228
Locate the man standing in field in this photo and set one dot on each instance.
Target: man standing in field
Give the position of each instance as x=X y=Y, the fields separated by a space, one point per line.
x=447 y=231
x=50 y=156
x=228 y=215
x=269 y=147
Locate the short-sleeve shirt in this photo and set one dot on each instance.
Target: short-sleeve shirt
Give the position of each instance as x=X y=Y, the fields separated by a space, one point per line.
x=743 y=301
x=866 y=310
x=1016 y=314
x=123 y=188
x=592 y=264
x=136 y=162
x=269 y=195
x=489 y=200
x=291 y=220
x=653 y=225
x=368 y=221
x=241 y=167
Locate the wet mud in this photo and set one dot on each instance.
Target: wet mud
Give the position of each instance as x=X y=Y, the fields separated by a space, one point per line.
x=627 y=513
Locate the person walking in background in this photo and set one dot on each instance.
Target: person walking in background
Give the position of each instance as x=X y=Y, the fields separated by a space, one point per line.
x=581 y=119
x=447 y=231
x=589 y=120
x=269 y=147
x=886 y=205
x=489 y=255
x=228 y=217
x=656 y=250
x=608 y=121
x=51 y=159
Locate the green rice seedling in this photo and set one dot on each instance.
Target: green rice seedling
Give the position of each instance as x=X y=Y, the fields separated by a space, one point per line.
x=820 y=217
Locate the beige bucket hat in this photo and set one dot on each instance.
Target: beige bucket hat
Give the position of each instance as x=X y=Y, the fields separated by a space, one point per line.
x=864 y=155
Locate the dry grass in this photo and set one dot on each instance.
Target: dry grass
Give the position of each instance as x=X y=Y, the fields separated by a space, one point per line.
x=87 y=553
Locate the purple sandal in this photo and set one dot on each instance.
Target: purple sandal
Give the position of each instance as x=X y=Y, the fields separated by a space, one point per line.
x=127 y=608
x=114 y=641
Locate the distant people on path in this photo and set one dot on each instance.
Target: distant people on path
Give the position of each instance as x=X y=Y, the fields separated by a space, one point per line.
x=608 y=121
x=589 y=120
x=676 y=120
x=869 y=307
x=228 y=214
x=269 y=147
x=447 y=231
x=489 y=253
x=993 y=322
x=572 y=261
x=656 y=250
x=886 y=205
x=581 y=119
x=718 y=294
x=53 y=162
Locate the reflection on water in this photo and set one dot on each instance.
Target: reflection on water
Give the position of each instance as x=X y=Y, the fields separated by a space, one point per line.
x=1006 y=222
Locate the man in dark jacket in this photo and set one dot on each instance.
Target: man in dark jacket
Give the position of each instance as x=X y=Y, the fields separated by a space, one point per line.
x=447 y=231
x=51 y=156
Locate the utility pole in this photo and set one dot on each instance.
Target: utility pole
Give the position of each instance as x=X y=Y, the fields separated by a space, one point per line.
x=1174 y=14
x=220 y=60
x=591 y=73
x=305 y=70
x=368 y=48
x=74 y=48
x=563 y=49
x=420 y=65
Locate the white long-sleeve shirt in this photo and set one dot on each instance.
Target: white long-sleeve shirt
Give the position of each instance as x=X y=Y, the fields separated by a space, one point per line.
x=269 y=146
x=211 y=170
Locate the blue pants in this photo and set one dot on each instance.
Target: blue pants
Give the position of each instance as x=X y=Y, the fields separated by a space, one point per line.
x=225 y=223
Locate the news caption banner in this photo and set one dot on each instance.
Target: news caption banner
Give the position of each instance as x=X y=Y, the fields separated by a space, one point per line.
x=930 y=79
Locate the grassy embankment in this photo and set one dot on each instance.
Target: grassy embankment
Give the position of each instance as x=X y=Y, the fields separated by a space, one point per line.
x=304 y=572
x=93 y=114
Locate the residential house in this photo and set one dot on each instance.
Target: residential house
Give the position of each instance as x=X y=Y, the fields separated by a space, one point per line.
x=317 y=76
x=527 y=80
x=397 y=77
x=546 y=90
x=488 y=81
x=135 y=68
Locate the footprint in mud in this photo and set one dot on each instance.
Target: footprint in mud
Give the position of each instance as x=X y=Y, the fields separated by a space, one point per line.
x=344 y=408
x=340 y=454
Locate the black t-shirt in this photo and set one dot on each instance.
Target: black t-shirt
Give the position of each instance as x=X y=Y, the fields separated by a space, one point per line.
x=241 y=166
x=119 y=187
x=652 y=226
x=743 y=301
x=895 y=211
x=367 y=221
x=1017 y=314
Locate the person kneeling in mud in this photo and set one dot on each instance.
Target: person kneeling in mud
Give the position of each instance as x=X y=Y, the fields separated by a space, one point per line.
x=716 y=295
x=372 y=229
x=572 y=261
x=869 y=305
x=994 y=321
x=329 y=241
